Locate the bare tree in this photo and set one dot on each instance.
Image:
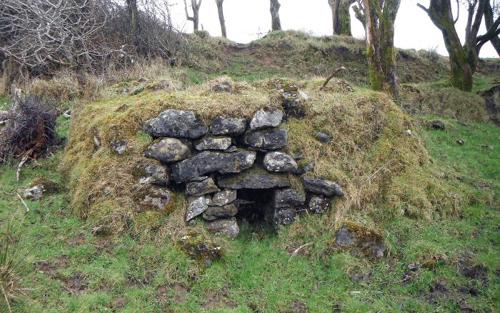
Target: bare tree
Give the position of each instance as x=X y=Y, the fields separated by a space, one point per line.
x=135 y=30
x=275 y=15
x=44 y=33
x=491 y=13
x=359 y=13
x=341 y=16
x=195 y=18
x=380 y=17
x=463 y=58
x=222 y=21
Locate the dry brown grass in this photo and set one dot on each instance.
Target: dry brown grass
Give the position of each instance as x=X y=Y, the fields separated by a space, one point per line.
x=443 y=101
x=384 y=171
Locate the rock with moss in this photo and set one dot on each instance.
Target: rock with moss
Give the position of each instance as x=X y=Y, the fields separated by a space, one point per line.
x=120 y=147
x=267 y=139
x=323 y=187
x=196 y=207
x=176 y=124
x=228 y=126
x=201 y=248
x=152 y=172
x=280 y=162
x=156 y=198
x=202 y=187
x=255 y=178
x=284 y=216
x=289 y=197
x=168 y=150
x=319 y=204
x=211 y=162
x=213 y=143
x=224 y=197
x=226 y=227
x=359 y=238
x=218 y=212
x=266 y=118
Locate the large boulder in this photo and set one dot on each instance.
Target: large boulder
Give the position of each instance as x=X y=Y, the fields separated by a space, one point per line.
x=280 y=162
x=213 y=143
x=227 y=227
x=228 y=126
x=210 y=162
x=201 y=188
x=196 y=206
x=177 y=124
x=322 y=187
x=255 y=178
x=289 y=197
x=218 y=212
x=168 y=150
x=223 y=197
x=267 y=139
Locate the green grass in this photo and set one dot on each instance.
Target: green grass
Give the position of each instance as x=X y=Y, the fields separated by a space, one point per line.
x=65 y=268
x=4 y=102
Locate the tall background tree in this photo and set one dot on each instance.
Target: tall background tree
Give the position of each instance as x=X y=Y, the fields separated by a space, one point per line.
x=359 y=12
x=341 y=16
x=464 y=58
x=275 y=15
x=222 y=21
x=380 y=17
x=135 y=31
x=195 y=18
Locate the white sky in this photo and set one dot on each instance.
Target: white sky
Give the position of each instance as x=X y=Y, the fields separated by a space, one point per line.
x=247 y=20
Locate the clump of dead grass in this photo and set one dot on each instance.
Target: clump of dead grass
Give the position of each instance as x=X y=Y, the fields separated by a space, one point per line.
x=445 y=101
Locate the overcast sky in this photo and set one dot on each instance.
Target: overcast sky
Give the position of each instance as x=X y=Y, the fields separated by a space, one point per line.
x=247 y=20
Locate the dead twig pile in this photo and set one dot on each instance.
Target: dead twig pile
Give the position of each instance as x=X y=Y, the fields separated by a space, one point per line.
x=29 y=131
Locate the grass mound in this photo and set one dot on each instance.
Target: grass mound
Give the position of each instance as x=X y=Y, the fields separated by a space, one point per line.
x=372 y=154
x=432 y=98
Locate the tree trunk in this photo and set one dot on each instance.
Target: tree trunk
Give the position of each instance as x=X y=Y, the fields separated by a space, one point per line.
x=461 y=71
x=275 y=15
x=341 y=18
x=488 y=19
x=345 y=18
x=196 y=20
x=133 y=14
x=221 y=17
x=334 y=6
x=380 y=45
x=10 y=73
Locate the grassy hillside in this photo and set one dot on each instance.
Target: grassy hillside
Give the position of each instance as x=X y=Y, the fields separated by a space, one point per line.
x=445 y=265
x=432 y=195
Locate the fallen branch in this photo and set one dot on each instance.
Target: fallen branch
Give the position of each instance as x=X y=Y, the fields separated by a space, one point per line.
x=23 y=202
x=20 y=166
x=296 y=251
x=338 y=70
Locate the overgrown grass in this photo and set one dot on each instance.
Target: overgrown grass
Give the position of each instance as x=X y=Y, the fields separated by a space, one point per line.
x=67 y=269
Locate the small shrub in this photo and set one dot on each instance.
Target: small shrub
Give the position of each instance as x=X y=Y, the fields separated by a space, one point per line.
x=30 y=130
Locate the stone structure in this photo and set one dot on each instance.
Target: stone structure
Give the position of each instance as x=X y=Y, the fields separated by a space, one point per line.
x=232 y=169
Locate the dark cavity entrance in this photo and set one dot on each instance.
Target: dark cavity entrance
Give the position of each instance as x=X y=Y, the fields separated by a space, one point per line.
x=255 y=206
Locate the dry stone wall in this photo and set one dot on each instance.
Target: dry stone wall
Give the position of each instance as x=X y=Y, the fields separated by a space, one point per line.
x=231 y=169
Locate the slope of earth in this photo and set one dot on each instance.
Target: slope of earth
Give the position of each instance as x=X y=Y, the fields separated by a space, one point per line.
x=445 y=264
